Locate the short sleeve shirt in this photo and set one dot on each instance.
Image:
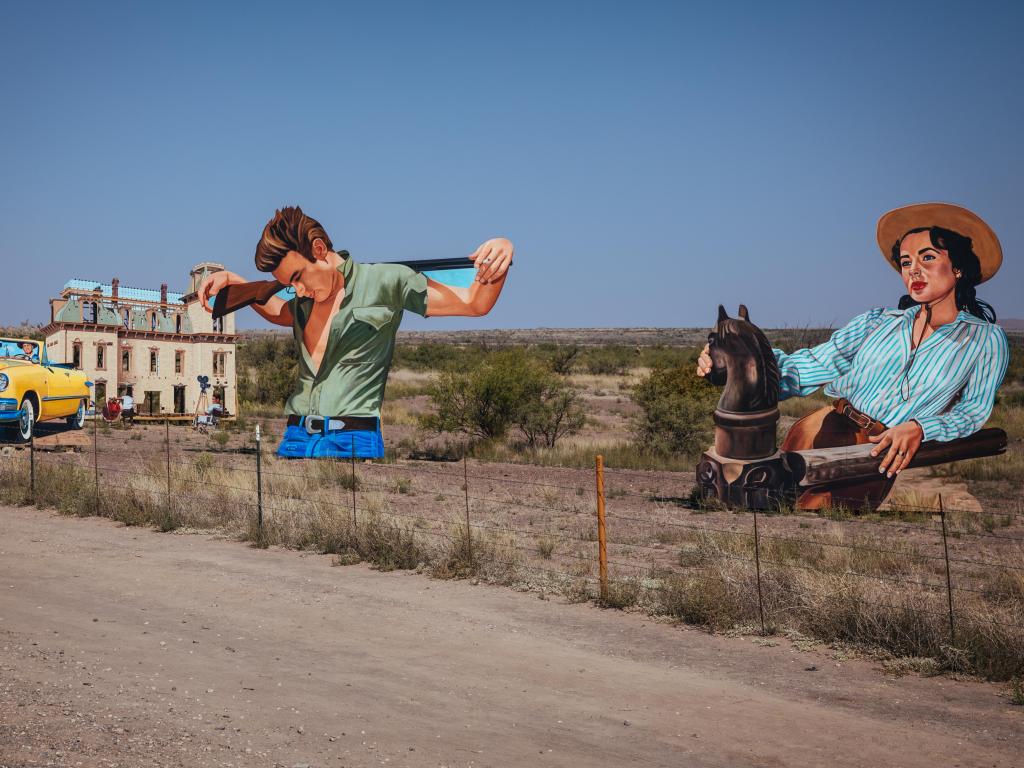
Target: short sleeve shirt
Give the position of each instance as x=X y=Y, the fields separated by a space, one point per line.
x=361 y=342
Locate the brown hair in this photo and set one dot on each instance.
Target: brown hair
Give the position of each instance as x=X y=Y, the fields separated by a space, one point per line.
x=289 y=230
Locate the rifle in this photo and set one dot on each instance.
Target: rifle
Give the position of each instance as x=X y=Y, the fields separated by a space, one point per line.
x=234 y=297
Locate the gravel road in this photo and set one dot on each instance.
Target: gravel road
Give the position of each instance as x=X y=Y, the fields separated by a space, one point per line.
x=127 y=647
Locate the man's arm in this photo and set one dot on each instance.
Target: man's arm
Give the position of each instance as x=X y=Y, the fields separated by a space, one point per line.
x=492 y=260
x=276 y=310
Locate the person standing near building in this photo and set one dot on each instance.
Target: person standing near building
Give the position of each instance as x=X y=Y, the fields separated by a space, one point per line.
x=127 y=408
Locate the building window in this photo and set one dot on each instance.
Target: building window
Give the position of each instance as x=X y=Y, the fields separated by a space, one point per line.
x=177 y=323
x=218 y=325
x=219 y=367
x=152 y=320
x=76 y=354
x=126 y=360
x=154 y=361
x=89 y=312
x=179 y=361
x=127 y=315
x=101 y=357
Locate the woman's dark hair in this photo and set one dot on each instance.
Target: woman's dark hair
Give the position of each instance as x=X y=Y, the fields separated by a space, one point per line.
x=961 y=253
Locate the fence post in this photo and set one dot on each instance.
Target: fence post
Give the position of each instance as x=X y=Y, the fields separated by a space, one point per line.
x=352 y=461
x=465 y=486
x=757 y=563
x=259 y=481
x=602 y=541
x=96 y=461
x=949 y=579
x=167 y=444
x=32 y=464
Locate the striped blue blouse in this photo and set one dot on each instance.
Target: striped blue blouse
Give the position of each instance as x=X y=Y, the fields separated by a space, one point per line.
x=948 y=385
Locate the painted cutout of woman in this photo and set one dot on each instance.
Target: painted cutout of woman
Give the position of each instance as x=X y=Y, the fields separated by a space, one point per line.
x=926 y=370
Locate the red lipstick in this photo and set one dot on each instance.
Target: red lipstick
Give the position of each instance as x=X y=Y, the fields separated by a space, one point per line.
x=917 y=285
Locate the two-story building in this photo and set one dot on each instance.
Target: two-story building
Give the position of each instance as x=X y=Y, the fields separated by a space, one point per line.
x=151 y=344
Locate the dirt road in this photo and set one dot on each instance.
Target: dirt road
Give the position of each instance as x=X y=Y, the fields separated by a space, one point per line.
x=126 y=647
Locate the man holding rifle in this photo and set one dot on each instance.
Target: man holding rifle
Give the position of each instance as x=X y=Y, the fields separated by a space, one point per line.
x=344 y=317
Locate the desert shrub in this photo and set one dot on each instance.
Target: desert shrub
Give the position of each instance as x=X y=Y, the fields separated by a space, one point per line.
x=677 y=407
x=438 y=357
x=552 y=409
x=267 y=370
x=509 y=389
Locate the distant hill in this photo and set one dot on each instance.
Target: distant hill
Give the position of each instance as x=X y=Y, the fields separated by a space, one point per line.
x=1012 y=324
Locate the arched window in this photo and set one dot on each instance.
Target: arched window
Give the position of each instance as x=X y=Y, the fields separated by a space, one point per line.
x=152 y=320
x=76 y=354
x=126 y=315
x=177 y=323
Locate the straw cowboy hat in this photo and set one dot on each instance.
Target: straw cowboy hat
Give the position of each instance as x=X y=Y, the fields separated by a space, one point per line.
x=896 y=223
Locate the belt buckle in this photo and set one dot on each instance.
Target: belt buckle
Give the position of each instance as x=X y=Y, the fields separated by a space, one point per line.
x=862 y=420
x=308 y=424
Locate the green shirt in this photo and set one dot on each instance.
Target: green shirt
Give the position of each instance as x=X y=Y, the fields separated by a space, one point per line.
x=361 y=340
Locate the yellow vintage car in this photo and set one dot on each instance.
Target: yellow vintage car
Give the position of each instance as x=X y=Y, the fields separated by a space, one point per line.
x=32 y=389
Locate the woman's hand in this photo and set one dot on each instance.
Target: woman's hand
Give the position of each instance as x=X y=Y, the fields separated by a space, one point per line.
x=903 y=440
x=704 y=361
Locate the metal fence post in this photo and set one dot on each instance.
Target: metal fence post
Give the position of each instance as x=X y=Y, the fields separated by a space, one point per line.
x=352 y=461
x=465 y=487
x=167 y=444
x=259 y=481
x=602 y=540
x=32 y=463
x=96 y=461
x=757 y=563
x=949 y=579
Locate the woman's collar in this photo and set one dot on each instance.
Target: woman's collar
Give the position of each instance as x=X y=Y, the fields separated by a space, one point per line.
x=911 y=312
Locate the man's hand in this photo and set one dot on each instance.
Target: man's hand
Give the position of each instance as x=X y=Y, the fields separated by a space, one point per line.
x=492 y=260
x=704 y=361
x=214 y=284
x=903 y=440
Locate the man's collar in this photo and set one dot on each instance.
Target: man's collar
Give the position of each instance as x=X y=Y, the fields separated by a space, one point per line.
x=347 y=266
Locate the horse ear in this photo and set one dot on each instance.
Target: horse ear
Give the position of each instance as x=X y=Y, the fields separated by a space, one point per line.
x=722 y=314
x=743 y=312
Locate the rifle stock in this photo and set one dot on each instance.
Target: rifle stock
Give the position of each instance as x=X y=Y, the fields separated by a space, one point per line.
x=231 y=298
x=234 y=297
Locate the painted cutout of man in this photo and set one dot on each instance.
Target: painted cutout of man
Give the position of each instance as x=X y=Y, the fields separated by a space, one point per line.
x=30 y=351
x=344 y=318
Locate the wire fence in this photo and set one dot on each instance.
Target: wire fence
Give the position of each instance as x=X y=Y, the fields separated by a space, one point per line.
x=938 y=582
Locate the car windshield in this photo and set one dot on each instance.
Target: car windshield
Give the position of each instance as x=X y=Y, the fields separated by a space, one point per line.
x=19 y=349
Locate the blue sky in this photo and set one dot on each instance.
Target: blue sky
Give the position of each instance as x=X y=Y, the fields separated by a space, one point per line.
x=649 y=160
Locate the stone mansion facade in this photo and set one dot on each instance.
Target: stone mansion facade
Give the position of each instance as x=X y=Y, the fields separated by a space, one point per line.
x=147 y=343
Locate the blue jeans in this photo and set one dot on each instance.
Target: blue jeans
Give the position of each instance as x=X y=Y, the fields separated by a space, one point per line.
x=331 y=444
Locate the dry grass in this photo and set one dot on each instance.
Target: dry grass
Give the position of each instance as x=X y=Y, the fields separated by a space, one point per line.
x=837 y=583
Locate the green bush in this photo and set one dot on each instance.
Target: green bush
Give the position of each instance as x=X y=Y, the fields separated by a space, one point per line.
x=267 y=370
x=677 y=411
x=510 y=388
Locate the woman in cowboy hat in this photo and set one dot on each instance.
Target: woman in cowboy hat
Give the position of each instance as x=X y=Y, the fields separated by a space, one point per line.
x=928 y=370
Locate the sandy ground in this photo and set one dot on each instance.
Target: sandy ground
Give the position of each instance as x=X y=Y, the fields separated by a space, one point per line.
x=126 y=647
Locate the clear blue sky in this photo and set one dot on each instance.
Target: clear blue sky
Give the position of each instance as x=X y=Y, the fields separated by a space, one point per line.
x=649 y=160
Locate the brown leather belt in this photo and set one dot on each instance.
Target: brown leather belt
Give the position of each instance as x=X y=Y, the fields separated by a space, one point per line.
x=314 y=424
x=862 y=420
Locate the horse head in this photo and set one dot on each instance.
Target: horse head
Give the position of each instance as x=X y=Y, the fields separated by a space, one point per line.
x=743 y=361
